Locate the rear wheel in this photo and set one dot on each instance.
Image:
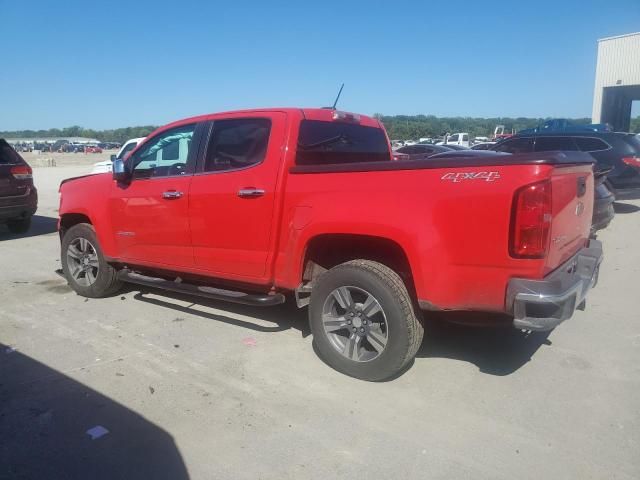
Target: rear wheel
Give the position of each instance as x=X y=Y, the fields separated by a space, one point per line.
x=19 y=225
x=84 y=265
x=363 y=320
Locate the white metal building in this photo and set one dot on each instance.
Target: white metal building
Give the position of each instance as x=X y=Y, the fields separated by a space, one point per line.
x=617 y=80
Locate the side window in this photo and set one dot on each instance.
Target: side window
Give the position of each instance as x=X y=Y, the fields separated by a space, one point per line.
x=546 y=144
x=453 y=138
x=165 y=154
x=237 y=143
x=465 y=138
x=589 y=144
x=515 y=145
x=412 y=150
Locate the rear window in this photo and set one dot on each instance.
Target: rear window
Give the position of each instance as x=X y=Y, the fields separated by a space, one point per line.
x=8 y=156
x=325 y=143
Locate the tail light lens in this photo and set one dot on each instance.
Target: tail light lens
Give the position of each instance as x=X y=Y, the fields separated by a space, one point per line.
x=632 y=161
x=21 y=172
x=531 y=221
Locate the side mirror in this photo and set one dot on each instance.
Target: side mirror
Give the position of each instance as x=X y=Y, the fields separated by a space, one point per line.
x=113 y=157
x=120 y=173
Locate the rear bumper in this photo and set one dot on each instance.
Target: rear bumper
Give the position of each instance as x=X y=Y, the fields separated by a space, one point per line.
x=543 y=304
x=20 y=206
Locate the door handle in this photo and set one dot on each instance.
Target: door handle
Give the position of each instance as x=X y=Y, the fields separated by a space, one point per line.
x=250 y=192
x=172 y=194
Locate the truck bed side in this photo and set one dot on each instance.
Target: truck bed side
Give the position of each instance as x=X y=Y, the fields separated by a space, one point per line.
x=451 y=218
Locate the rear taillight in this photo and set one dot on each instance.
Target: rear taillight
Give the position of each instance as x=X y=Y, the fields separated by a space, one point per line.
x=531 y=221
x=632 y=161
x=21 y=172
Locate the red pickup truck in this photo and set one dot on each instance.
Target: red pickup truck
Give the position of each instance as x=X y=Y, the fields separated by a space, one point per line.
x=251 y=206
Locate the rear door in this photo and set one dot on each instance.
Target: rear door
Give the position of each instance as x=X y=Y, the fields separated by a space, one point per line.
x=233 y=194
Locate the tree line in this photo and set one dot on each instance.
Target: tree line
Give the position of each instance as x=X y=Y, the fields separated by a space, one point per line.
x=119 y=135
x=401 y=127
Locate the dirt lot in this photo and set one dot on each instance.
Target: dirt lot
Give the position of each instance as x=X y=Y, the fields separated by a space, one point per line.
x=206 y=390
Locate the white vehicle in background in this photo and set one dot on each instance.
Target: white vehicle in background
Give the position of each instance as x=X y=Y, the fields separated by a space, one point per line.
x=481 y=140
x=460 y=139
x=409 y=143
x=107 y=165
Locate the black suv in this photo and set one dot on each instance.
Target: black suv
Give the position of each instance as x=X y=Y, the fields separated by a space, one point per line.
x=18 y=196
x=617 y=152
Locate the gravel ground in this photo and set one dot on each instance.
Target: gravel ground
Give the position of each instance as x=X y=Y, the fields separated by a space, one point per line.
x=211 y=390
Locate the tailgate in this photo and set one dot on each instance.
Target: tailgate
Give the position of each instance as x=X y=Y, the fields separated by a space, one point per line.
x=572 y=190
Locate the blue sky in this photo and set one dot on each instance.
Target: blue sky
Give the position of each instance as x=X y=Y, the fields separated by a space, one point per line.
x=113 y=64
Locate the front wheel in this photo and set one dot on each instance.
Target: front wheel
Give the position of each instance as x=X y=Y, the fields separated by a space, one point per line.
x=84 y=265
x=363 y=320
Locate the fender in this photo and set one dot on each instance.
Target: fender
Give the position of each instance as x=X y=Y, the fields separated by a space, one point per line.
x=89 y=196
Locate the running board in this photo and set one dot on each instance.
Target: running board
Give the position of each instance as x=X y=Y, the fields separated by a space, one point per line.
x=201 y=291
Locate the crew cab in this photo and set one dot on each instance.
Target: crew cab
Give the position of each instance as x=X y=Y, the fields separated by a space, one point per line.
x=252 y=206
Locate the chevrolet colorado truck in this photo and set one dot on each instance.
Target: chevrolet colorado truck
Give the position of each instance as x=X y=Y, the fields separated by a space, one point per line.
x=256 y=206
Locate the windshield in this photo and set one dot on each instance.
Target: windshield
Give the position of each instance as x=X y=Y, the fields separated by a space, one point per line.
x=322 y=143
x=127 y=148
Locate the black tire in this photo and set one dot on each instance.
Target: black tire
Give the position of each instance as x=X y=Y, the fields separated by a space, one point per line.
x=403 y=325
x=106 y=282
x=19 y=225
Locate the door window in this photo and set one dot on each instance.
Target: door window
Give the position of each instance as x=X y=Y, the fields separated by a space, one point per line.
x=515 y=145
x=452 y=138
x=547 y=144
x=237 y=143
x=166 y=154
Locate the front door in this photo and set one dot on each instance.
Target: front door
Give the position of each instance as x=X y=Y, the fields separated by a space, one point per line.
x=150 y=215
x=233 y=194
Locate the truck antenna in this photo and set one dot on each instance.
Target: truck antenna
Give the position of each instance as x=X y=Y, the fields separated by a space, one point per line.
x=338 y=97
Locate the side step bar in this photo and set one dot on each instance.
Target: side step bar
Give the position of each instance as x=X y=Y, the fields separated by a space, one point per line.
x=201 y=291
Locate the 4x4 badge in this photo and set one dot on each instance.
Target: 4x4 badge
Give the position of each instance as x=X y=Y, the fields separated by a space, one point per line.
x=457 y=177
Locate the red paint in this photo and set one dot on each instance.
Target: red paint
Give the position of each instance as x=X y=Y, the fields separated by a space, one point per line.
x=454 y=224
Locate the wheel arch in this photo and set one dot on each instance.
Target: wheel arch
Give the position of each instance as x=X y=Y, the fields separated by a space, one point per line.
x=68 y=220
x=327 y=250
